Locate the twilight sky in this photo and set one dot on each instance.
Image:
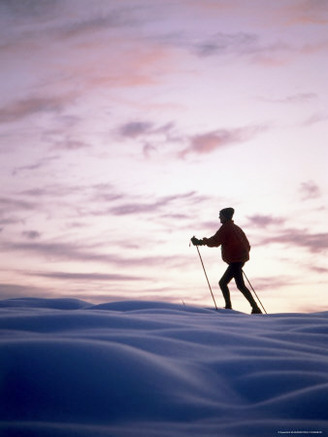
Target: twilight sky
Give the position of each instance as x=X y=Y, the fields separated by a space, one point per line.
x=125 y=126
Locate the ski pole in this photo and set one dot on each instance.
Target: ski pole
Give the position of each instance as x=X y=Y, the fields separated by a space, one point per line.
x=208 y=282
x=254 y=291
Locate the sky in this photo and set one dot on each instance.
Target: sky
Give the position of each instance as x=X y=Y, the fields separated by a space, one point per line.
x=125 y=126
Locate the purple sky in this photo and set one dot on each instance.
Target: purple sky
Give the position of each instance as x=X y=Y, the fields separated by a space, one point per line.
x=125 y=126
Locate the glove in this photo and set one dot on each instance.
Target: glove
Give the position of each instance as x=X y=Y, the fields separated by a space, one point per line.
x=197 y=242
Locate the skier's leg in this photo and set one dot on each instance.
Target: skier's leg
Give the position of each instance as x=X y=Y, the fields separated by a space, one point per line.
x=223 y=283
x=238 y=275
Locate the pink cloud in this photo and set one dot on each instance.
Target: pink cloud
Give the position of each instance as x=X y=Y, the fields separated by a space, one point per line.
x=295 y=98
x=31 y=235
x=295 y=12
x=211 y=141
x=315 y=243
x=158 y=204
x=120 y=62
x=10 y=204
x=263 y=221
x=206 y=143
x=309 y=190
x=87 y=276
x=71 y=145
x=71 y=252
x=308 y=12
x=320 y=270
x=20 y=109
x=37 y=165
x=135 y=129
x=315 y=118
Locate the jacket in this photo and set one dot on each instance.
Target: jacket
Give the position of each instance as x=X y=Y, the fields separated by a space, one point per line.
x=234 y=244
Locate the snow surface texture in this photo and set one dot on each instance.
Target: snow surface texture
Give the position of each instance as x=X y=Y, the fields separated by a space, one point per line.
x=69 y=368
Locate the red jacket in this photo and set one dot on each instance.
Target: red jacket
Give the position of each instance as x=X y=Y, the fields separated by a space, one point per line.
x=234 y=244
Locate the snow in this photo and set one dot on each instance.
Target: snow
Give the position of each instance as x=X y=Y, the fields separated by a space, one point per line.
x=133 y=368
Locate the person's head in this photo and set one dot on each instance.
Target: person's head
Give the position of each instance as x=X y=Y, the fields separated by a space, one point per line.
x=226 y=215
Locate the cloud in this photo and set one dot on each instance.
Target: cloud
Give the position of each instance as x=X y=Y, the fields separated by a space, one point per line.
x=24 y=108
x=65 y=19
x=135 y=208
x=249 y=46
x=84 y=26
x=31 y=167
x=241 y=45
x=13 y=205
x=79 y=201
x=313 y=48
x=296 y=98
x=143 y=207
x=98 y=200
x=166 y=211
x=226 y=43
x=208 y=142
x=263 y=221
x=317 y=269
x=53 y=190
x=87 y=276
x=315 y=243
x=135 y=129
x=272 y=282
x=55 y=251
x=9 y=220
x=39 y=164
x=84 y=196
x=71 y=145
x=28 y=8
x=301 y=97
x=308 y=12
x=150 y=136
x=76 y=252
x=315 y=118
x=309 y=190
x=8 y=291
x=107 y=196
x=60 y=251
x=86 y=61
x=148 y=150
x=31 y=235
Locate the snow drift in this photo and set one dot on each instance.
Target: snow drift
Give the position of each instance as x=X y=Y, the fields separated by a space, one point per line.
x=69 y=368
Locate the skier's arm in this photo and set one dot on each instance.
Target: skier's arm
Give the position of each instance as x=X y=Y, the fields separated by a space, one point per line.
x=214 y=241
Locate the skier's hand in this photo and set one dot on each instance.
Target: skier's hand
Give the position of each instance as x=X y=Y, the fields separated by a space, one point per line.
x=196 y=242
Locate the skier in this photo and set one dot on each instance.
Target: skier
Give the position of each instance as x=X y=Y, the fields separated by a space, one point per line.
x=235 y=252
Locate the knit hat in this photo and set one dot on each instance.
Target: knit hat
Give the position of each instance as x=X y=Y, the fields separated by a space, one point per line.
x=227 y=213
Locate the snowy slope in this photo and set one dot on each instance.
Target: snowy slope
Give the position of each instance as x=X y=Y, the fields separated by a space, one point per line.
x=69 y=368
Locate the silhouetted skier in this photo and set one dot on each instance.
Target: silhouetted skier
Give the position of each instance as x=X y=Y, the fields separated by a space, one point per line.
x=235 y=252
